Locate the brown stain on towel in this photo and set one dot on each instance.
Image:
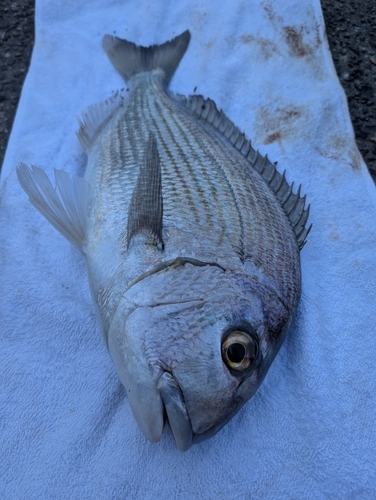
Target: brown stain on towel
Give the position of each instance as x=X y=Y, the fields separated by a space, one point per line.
x=277 y=123
x=267 y=47
x=341 y=149
x=294 y=39
x=302 y=40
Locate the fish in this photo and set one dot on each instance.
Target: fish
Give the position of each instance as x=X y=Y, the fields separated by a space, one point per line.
x=192 y=242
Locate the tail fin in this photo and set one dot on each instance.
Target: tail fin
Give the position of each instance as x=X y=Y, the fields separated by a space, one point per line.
x=129 y=59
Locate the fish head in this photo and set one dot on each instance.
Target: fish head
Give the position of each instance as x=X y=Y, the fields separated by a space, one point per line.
x=191 y=345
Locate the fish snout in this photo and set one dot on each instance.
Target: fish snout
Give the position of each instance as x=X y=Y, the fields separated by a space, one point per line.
x=154 y=395
x=151 y=406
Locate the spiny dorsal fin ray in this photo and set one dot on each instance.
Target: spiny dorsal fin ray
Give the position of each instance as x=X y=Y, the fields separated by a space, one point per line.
x=65 y=207
x=293 y=204
x=146 y=208
x=95 y=117
x=129 y=58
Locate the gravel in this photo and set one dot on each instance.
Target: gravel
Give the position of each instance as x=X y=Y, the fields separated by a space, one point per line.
x=350 y=28
x=350 y=31
x=16 y=45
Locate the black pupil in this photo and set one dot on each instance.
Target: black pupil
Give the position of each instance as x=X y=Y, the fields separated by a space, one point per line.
x=236 y=353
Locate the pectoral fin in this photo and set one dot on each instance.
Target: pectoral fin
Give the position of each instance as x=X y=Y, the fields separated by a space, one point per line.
x=146 y=208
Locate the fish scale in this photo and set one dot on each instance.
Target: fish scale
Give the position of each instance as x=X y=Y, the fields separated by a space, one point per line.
x=209 y=169
x=191 y=240
x=123 y=128
x=251 y=237
x=264 y=233
x=207 y=184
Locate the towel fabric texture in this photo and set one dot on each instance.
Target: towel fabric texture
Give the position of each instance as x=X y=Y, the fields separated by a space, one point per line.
x=66 y=426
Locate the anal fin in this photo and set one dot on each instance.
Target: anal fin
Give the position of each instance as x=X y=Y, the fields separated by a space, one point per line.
x=146 y=208
x=65 y=207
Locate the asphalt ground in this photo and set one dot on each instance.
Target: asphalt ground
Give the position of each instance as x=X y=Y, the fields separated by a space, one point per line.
x=350 y=28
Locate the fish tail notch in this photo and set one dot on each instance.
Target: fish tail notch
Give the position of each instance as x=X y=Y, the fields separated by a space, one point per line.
x=65 y=207
x=130 y=59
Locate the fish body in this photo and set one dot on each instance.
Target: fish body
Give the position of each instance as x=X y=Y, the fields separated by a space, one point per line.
x=191 y=240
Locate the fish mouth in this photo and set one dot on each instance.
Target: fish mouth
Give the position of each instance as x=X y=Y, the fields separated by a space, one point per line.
x=176 y=411
x=177 y=415
x=153 y=405
x=168 y=403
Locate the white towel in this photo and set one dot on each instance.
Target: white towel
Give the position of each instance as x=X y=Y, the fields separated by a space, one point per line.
x=66 y=426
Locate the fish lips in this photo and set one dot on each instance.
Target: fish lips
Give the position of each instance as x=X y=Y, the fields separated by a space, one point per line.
x=148 y=412
x=176 y=411
x=151 y=405
x=178 y=417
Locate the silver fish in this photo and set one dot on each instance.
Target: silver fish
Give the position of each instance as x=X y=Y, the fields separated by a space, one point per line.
x=191 y=239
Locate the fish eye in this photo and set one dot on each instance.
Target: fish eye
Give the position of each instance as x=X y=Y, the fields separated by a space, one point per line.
x=239 y=351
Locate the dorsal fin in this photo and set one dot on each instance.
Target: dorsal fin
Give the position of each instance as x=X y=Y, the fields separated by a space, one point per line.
x=146 y=208
x=293 y=204
x=95 y=117
x=129 y=58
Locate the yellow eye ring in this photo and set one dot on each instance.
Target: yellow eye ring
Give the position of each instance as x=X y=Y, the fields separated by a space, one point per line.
x=239 y=351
